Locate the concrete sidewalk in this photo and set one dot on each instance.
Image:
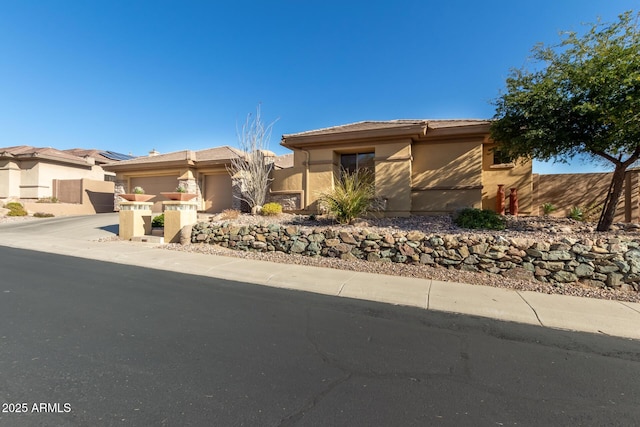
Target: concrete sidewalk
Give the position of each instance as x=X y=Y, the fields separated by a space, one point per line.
x=555 y=311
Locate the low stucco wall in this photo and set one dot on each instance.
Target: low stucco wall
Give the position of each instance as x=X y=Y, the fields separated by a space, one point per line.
x=77 y=197
x=58 y=209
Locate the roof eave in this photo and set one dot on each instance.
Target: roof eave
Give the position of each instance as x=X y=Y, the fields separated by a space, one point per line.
x=409 y=131
x=127 y=167
x=47 y=158
x=456 y=131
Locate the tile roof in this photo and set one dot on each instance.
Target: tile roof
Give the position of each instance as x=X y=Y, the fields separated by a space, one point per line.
x=100 y=156
x=218 y=153
x=29 y=152
x=284 y=161
x=210 y=154
x=389 y=124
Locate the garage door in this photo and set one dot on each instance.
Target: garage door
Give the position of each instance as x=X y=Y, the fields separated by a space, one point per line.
x=217 y=193
x=155 y=185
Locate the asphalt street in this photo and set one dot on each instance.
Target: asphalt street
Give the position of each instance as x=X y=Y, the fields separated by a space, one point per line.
x=109 y=344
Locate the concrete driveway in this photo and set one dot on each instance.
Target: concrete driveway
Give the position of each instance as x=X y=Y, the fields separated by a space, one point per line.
x=85 y=227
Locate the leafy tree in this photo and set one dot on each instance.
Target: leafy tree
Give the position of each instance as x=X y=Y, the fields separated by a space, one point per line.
x=583 y=99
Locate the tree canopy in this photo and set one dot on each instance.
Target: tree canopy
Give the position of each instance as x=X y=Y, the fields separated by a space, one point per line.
x=583 y=98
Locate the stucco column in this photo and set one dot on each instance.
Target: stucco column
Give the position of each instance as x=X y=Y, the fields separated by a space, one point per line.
x=177 y=214
x=188 y=181
x=135 y=219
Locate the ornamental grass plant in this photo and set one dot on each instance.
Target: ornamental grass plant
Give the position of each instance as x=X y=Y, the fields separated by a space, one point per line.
x=352 y=196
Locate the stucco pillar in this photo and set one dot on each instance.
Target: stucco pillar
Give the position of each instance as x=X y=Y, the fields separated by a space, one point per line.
x=177 y=214
x=135 y=219
x=188 y=181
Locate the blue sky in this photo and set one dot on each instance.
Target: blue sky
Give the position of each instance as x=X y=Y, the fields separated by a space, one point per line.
x=130 y=76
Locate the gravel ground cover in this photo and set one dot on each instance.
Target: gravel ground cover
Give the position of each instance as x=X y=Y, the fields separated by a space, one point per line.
x=538 y=228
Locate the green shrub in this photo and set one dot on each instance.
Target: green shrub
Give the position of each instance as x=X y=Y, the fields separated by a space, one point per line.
x=576 y=213
x=15 y=209
x=138 y=190
x=158 y=221
x=588 y=213
x=548 y=208
x=479 y=219
x=352 y=196
x=271 y=209
x=48 y=200
x=43 y=215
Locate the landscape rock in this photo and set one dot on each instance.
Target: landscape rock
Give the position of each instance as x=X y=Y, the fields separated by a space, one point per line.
x=589 y=260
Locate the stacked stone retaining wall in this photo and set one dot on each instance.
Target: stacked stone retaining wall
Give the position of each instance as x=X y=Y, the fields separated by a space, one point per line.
x=606 y=262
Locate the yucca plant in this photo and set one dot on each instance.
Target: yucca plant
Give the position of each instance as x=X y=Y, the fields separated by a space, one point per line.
x=353 y=195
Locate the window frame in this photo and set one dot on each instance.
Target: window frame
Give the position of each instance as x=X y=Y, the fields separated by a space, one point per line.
x=368 y=157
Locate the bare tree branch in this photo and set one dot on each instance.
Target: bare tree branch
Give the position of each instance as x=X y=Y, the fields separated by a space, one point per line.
x=252 y=171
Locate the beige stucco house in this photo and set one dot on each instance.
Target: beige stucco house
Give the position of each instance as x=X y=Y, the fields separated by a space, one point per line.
x=31 y=172
x=202 y=172
x=421 y=167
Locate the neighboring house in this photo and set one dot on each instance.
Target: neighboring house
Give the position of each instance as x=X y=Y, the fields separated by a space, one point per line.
x=101 y=158
x=30 y=172
x=420 y=167
x=203 y=172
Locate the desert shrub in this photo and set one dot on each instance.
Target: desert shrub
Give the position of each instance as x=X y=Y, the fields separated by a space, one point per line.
x=548 y=208
x=229 y=214
x=16 y=209
x=271 y=209
x=576 y=213
x=592 y=212
x=588 y=213
x=352 y=196
x=43 y=215
x=158 y=221
x=479 y=219
x=48 y=200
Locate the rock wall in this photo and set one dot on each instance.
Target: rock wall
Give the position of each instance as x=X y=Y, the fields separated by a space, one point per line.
x=606 y=262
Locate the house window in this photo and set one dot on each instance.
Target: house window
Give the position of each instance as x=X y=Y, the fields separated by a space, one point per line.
x=351 y=163
x=501 y=158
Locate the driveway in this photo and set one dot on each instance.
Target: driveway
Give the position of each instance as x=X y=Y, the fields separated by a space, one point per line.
x=85 y=227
